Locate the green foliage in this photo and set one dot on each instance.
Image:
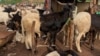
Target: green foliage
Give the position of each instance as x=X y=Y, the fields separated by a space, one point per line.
x=85 y=1
x=98 y=12
x=9 y=1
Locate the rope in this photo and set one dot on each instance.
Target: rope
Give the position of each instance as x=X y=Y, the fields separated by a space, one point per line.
x=68 y=21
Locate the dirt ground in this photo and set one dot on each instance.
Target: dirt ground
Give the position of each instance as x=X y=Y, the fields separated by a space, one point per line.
x=19 y=49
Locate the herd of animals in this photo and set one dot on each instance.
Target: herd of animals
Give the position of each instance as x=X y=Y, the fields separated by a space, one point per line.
x=20 y=18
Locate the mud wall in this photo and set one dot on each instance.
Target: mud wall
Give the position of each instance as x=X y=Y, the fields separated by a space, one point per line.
x=82 y=6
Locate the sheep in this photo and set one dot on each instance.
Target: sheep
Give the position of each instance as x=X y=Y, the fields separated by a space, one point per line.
x=2 y=8
x=4 y=17
x=82 y=22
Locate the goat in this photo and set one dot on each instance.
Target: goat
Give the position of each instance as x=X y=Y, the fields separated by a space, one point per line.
x=5 y=16
x=22 y=22
x=15 y=22
x=15 y=25
x=82 y=23
x=54 y=53
x=62 y=53
x=19 y=22
x=26 y=25
x=95 y=28
x=53 y=23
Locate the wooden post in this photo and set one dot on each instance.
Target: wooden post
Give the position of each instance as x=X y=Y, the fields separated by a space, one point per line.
x=68 y=35
x=92 y=6
x=94 y=1
x=71 y=35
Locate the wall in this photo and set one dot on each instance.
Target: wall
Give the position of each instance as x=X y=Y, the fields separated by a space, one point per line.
x=82 y=6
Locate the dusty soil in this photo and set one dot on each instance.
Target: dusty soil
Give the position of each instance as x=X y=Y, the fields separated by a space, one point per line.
x=19 y=49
